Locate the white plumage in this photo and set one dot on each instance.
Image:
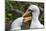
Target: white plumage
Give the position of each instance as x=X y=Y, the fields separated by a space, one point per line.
x=35 y=21
x=35 y=14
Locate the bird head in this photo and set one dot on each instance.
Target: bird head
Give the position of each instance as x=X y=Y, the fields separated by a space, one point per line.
x=34 y=9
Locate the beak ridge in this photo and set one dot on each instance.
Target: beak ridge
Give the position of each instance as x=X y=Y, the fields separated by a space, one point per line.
x=26 y=14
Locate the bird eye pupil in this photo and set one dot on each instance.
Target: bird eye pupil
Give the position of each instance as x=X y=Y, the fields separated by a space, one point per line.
x=29 y=10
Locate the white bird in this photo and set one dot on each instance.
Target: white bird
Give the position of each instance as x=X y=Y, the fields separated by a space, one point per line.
x=35 y=14
x=35 y=21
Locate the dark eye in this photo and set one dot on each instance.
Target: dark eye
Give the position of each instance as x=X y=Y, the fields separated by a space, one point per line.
x=29 y=10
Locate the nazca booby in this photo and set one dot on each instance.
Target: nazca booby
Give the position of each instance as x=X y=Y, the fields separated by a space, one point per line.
x=35 y=21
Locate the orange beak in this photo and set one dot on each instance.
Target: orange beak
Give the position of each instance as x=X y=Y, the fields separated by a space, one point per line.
x=26 y=19
x=27 y=16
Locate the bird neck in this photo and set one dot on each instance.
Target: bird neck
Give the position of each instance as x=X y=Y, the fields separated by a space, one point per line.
x=35 y=18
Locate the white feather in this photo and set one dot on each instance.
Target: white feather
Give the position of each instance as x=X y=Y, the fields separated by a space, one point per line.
x=35 y=14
